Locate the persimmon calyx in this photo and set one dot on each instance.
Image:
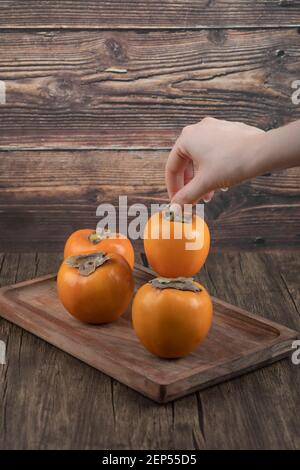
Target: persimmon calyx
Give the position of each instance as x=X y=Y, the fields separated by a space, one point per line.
x=179 y=283
x=99 y=235
x=87 y=264
x=174 y=216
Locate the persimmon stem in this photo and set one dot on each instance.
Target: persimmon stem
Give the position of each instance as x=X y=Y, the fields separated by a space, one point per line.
x=99 y=235
x=87 y=264
x=172 y=216
x=179 y=283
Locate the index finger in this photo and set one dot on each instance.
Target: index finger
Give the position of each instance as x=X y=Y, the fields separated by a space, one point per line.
x=175 y=170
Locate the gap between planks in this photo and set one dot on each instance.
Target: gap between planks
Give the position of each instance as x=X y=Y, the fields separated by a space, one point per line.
x=145 y=30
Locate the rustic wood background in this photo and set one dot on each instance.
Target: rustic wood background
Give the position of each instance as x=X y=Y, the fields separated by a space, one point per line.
x=96 y=93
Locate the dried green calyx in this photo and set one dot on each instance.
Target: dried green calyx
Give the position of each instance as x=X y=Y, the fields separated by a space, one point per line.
x=99 y=235
x=179 y=283
x=87 y=264
x=177 y=215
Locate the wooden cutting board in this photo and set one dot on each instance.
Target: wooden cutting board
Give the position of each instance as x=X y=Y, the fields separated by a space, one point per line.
x=238 y=341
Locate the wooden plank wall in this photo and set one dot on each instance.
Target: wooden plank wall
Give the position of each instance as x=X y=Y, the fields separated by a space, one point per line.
x=150 y=14
x=96 y=93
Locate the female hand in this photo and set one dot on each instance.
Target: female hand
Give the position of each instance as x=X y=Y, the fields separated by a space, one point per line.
x=210 y=155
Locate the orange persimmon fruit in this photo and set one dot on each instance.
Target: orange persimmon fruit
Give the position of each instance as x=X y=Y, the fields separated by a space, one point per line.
x=95 y=287
x=88 y=241
x=176 y=247
x=171 y=317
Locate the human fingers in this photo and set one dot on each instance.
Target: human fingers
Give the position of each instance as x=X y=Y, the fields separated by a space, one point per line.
x=176 y=167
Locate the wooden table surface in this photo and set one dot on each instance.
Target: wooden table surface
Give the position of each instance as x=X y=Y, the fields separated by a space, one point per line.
x=50 y=400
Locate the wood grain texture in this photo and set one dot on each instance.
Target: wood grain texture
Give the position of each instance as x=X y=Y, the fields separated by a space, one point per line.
x=254 y=279
x=127 y=89
x=256 y=411
x=290 y=276
x=46 y=395
x=148 y=14
x=238 y=341
x=44 y=196
x=31 y=364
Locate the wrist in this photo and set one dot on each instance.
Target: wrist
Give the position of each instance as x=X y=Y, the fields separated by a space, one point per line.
x=257 y=156
x=283 y=146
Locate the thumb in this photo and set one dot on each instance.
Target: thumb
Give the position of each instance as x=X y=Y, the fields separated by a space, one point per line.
x=191 y=192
